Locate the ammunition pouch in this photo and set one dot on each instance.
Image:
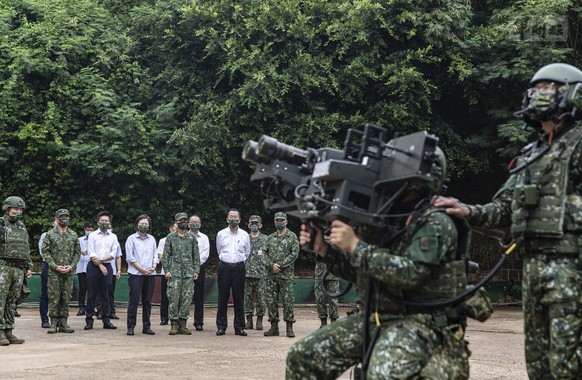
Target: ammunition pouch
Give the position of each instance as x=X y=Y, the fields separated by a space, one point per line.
x=478 y=306
x=526 y=196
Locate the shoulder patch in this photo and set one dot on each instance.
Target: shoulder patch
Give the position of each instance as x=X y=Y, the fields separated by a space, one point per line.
x=424 y=243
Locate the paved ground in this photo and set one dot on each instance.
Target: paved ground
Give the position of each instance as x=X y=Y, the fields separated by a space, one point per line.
x=497 y=347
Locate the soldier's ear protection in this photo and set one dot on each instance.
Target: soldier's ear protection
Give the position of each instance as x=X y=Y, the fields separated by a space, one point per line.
x=572 y=100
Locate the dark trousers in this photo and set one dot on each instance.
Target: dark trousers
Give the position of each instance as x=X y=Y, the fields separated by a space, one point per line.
x=165 y=303
x=82 y=277
x=231 y=277
x=140 y=286
x=199 y=297
x=43 y=303
x=111 y=292
x=97 y=283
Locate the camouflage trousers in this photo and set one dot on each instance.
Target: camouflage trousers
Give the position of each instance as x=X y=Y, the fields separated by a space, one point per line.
x=180 y=292
x=60 y=291
x=552 y=309
x=255 y=287
x=283 y=288
x=405 y=349
x=11 y=279
x=327 y=306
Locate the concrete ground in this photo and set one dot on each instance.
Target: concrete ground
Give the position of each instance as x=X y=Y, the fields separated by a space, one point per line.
x=497 y=350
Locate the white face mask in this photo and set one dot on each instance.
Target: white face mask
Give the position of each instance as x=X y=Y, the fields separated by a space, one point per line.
x=87 y=233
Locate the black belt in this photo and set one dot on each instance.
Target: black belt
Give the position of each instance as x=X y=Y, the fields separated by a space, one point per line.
x=232 y=264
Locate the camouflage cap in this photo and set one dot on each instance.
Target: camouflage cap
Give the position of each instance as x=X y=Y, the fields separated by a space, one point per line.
x=61 y=212
x=181 y=215
x=255 y=218
x=280 y=215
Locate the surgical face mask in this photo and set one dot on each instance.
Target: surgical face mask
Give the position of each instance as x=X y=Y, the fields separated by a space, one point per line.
x=194 y=226
x=63 y=222
x=254 y=227
x=279 y=225
x=183 y=226
x=87 y=233
x=103 y=226
x=143 y=228
x=233 y=223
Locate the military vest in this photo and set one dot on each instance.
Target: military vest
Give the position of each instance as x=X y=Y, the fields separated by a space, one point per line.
x=540 y=196
x=449 y=279
x=15 y=245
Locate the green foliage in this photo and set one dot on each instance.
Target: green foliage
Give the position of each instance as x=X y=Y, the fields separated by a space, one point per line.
x=144 y=105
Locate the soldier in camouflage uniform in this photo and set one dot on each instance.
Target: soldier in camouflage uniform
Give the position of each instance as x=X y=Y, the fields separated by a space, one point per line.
x=326 y=305
x=424 y=261
x=255 y=275
x=61 y=251
x=15 y=264
x=541 y=203
x=280 y=250
x=181 y=262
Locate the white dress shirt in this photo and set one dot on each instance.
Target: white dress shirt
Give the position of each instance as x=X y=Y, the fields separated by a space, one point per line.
x=233 y=247
x=103 y=244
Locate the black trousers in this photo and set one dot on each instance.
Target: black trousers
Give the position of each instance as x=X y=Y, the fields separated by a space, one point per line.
x=111 y=292
x=82 y=277
x=140 y=287
x=97 y=283
x=164 y=303
x=43 y=303
x=199 y=297
x=231 y=277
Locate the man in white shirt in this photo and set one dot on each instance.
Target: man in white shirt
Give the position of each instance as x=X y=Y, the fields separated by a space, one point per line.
x=204 y=248
x=140 y=251
x=82 y=267
x=234 y=247
x=102 y=248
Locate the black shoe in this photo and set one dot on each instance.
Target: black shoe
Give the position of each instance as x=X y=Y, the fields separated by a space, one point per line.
x=45 y=325
x=129 y=330
x=81 y=311
x=148 y=332
x=241 y=332
x=109 y=326
x=113 y=316
x=198 y=327
x=164 y=322
x=220 y=332
x=89 y=326
x=16 y=313
x=98 y=315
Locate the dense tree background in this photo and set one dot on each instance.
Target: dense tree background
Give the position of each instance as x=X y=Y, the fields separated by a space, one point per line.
x=144 y=106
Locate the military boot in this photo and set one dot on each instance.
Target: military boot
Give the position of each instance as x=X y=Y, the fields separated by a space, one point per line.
x=173 y=327
x=11 y=338
x=54 y=326
x=249 y=324
x=290 y=332
x=333 y=320
x=259 y=325
x=323 y=322
x=3 y=339
x=273 y=331
x=182 y=329
x=64 y=327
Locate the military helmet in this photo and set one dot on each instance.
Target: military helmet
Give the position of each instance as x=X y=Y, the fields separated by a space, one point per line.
x=557 y=72
x=13 y=201
x=438 y=171
x=539 y=106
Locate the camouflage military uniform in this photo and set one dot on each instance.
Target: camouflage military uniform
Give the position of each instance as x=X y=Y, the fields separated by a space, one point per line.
x=14 y=262
x=421 y=265
x=60 y=249
x=182 y=260
x=549 y=234
x=326 y=306
x=282 y=250
x=255 y=279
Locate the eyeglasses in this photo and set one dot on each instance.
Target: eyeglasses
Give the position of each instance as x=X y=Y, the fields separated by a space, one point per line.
x=546 y=88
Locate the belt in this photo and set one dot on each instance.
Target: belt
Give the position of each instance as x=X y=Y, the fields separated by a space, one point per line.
x=232 y=264
x=567 y=245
